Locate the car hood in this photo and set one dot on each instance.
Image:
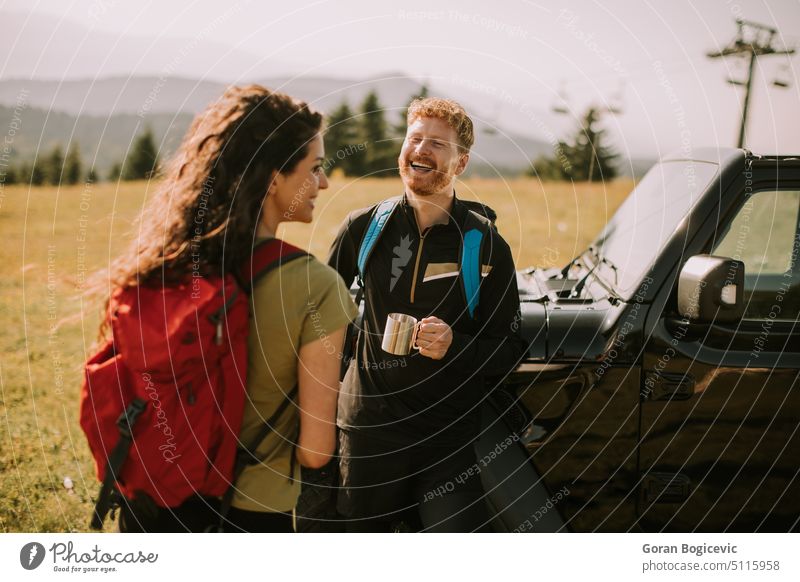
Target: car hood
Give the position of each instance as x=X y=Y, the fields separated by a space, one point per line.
x=562 y=330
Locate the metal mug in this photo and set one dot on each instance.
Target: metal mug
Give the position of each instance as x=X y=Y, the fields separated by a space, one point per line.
x=400 y=334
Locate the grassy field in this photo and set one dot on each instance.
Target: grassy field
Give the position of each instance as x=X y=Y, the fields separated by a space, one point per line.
x=52 y=239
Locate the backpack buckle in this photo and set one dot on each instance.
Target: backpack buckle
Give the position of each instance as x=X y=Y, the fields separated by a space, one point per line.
x=128 y=417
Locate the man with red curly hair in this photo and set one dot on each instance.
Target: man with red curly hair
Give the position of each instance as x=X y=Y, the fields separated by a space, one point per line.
x=409 y=423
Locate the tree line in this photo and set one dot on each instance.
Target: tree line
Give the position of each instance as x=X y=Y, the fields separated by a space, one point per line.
x=57 y=168
x=363 y=142
x=360 y=143
x=585 y=157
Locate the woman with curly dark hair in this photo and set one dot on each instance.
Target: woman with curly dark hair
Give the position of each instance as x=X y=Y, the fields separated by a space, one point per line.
x=251 y=160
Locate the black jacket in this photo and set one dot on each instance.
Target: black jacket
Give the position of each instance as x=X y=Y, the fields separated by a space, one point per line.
x=408 y=399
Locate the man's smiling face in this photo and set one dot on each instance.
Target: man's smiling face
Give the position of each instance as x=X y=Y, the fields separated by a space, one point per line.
x=430 y=159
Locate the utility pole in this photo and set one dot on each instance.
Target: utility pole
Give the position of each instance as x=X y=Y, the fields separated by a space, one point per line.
x=753 y=40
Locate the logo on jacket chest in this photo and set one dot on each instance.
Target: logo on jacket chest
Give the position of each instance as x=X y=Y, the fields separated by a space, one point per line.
x=402 y=255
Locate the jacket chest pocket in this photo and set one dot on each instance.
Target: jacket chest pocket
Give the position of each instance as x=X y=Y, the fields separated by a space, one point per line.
x=447 y=272
x=439 y=282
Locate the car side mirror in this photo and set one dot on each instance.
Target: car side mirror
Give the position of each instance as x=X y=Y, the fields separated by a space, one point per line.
x=711 y=289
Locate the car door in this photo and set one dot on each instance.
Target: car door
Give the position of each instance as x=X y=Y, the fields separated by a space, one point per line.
x=720 y=406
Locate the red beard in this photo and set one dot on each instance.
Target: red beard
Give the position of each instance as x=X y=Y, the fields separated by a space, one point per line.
x=424 y=184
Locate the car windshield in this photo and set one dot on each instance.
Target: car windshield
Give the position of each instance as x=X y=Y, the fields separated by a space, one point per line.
x=642 y=225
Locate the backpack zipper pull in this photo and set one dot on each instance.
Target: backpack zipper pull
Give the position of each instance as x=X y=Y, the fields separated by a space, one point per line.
x=218 y=337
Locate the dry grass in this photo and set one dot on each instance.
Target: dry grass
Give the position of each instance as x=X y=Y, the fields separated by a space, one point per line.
x=545 y=223
x=53 y=238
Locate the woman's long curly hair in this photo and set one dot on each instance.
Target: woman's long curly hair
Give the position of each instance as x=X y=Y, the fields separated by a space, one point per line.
x=205 y=211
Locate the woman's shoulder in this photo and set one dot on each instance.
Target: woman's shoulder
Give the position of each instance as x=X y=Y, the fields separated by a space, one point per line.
x=311 y=272
x=313 y=283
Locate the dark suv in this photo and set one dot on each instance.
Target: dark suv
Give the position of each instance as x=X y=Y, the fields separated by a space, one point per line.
x=661 y=392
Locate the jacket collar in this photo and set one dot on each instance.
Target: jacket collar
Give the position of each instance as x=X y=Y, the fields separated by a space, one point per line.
x=458 y=212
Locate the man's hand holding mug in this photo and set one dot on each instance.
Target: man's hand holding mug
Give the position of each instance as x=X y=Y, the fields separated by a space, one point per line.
x=431 y=336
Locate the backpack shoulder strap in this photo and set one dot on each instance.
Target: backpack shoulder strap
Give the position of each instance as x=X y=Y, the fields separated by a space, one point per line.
x=268 y=255
x=246 y=455
x=476 y=231
x=378 y=220
x=125 y=423
x=380 y=215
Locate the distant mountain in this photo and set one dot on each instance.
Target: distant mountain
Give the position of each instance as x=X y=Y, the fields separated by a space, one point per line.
x=102 y=140
x=106 y=113
x=107 y=139
x=111 y=84
x=394 y=91
x=113 y=95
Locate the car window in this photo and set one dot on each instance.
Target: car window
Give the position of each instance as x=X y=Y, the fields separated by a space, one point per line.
x=764 y=235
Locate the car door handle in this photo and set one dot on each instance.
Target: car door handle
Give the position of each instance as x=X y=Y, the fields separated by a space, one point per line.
x=660 y=386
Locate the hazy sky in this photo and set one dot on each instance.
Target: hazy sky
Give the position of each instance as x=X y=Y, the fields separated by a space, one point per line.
x=649 y=54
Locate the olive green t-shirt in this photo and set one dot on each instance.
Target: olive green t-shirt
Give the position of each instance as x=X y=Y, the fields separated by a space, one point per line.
x=298 y=303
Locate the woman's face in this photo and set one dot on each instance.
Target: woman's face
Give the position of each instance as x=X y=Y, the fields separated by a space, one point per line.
x=291 y=196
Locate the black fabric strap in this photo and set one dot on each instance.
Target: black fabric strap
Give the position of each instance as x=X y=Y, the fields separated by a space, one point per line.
x=125 y=423
x=351 y=334
x=354 y=327
x=247 y=456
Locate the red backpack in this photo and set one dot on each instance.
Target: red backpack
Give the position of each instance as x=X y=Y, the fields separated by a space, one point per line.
x=162 y=400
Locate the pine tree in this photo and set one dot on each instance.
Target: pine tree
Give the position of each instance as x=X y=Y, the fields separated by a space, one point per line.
x=53 y=165
x=37 y=176
x=10 y=177
x=588 y=155
x=142 y=163
x=341 y=141
x=73 y=166
x=115 y=173
x=379 y=158
x=402 y=125
x=24 y=173
x=545 y=168
x=31 y=174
